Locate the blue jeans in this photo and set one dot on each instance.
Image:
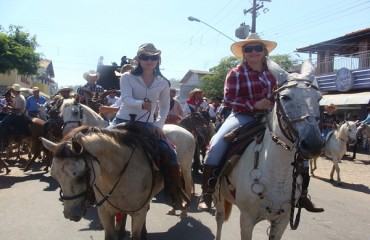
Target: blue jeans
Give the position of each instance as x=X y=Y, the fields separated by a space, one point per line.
x=219 y=145
x=164 y=145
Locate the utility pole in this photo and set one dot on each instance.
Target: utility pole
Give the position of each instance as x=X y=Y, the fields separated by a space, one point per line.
x=254 y=16
x=253 y=10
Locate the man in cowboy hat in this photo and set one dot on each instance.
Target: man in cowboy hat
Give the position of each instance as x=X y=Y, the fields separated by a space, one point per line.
x=16 y=117
x=329 y=119
x=65 y=92
x=34 y=102
x=195 y=101
x=91 y=77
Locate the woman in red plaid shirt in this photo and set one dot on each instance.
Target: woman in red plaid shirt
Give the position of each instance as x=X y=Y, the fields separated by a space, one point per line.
x=248 y=90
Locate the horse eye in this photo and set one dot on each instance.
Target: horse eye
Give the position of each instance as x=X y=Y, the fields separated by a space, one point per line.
x=285 y=98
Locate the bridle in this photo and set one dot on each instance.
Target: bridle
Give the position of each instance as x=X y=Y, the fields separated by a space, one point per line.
x=88 y=194
x=286 y=123
x=79 y=121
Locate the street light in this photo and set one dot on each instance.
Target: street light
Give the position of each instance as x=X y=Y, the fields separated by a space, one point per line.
x=197 y=20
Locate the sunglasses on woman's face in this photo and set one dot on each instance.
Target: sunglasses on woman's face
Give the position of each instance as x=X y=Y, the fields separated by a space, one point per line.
x=258 y=48
x=149 y=57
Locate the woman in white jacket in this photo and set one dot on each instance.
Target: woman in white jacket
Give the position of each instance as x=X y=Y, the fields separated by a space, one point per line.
x=141 y=89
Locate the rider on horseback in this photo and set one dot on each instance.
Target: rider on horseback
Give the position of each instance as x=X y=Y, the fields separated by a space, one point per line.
x=16 y=118
x=195 y=102
x=248 y=91
x=34 y=102
x=141 y=90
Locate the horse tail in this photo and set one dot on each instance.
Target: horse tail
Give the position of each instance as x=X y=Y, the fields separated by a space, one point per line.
x=228 y=207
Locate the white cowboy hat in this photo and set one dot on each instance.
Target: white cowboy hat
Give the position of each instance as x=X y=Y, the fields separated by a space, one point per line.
x=331 y=105
x=195 y=90
x=125 y=68
x=237 y=48
x=91 y=73
x=16 y=87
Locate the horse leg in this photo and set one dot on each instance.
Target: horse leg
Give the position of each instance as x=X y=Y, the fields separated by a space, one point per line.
x=277 y=229
x=30 y=162
x=196 y=163
x=337 y=169
x=107 y=220
x=332 y=172
x=6 y=166
x=246 y=225
x=121 y=225
x=138 y=225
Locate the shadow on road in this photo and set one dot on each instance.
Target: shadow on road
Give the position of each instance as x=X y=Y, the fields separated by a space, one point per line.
x=7 y=181
x=350 y=186
x=188 y=228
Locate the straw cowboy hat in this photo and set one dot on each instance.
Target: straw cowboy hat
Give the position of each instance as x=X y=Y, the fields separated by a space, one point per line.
x=331 y=105
x=68 y=89
x=35 y=89
x=16 y=87
x=91 y=73
x=194 y=91
x=125 y=68
x=237 y=48
x=148 y=49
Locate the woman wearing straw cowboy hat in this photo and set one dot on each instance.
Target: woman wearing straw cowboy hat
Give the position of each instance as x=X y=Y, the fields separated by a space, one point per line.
x=248 y=90
x=195 y=101
x=141 y=90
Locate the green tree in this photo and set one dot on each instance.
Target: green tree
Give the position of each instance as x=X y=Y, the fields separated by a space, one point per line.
x=213 y=85
x=17 y=51
x=284 y=60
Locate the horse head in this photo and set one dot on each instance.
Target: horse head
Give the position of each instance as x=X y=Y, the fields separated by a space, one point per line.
x=71 y=169
x=72 y=114
x=348 y=132
x=297 y=109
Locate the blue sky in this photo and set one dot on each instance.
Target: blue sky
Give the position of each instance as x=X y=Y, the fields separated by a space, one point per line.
x=73 y=34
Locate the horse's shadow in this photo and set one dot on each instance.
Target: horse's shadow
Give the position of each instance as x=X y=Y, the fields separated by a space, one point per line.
x=187 y=228
x=7 y=181
x=350 y=186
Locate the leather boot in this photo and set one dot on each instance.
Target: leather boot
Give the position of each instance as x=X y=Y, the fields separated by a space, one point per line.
x=208 y=188
x=179 y=199
x=306 y=203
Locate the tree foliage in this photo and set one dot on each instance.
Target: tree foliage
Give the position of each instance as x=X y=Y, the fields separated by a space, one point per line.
x=213 y=85
x=17 y=51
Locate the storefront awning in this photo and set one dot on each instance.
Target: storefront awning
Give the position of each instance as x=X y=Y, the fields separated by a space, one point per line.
x=346 y=99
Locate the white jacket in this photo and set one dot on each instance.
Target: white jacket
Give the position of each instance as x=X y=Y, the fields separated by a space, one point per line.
x=133 y=93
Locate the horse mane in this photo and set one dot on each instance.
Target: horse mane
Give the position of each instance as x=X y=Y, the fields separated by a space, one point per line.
x=121 y=136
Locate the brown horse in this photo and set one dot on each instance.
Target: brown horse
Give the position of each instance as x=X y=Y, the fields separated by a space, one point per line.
x=36 y=127
x=199 y=124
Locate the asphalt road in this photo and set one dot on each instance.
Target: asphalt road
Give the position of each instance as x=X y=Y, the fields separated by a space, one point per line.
x=30 y=209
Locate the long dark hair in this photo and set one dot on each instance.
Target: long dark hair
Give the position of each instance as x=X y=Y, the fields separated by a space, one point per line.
x=138 y=70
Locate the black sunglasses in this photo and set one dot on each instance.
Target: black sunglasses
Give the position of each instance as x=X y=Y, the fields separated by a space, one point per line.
x=149 y=57
x=258 y=48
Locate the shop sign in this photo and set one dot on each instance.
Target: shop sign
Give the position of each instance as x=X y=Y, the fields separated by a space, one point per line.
x=344 y=80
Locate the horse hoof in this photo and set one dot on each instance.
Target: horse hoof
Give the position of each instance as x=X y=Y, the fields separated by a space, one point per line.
x=183 y=215
x=171 y=212
x=331 y=180
x=340 y=184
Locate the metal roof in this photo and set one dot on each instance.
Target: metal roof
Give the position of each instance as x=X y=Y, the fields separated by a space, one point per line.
x=347 y=44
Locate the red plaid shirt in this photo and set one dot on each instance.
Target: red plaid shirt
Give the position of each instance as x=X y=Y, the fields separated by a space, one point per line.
x=244 y=87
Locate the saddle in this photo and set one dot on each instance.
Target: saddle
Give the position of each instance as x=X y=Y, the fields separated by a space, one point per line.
x=239 y=139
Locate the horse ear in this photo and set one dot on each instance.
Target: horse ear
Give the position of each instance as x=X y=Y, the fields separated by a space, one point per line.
x=49 y=145
x=308 y=71
x=280 y=74
x=77 y=147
